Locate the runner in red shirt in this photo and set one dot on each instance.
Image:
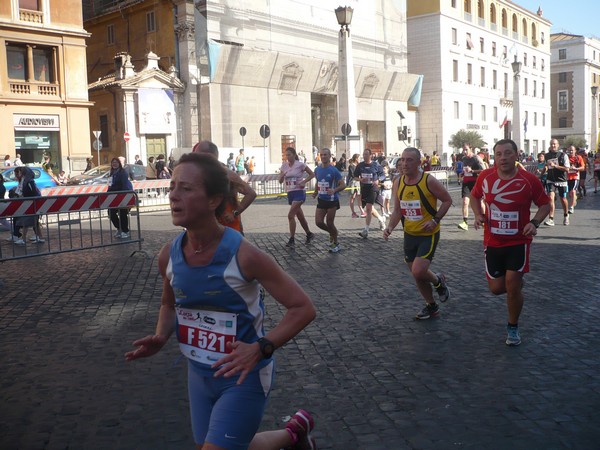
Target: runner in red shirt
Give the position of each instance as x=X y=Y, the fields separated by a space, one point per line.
x=576 y=167
x=508 y=191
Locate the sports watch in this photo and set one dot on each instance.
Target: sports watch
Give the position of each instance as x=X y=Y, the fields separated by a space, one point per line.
x=266 y=347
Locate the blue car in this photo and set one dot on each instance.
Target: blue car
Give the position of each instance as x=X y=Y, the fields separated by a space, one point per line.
x=42 y=179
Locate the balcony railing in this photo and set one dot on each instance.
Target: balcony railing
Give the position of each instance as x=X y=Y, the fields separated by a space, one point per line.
x=25 y=88
x=27 y=15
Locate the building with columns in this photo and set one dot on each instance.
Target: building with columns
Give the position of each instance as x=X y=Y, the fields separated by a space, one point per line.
x=43 y=83
x=244 y=64
x=465 y=50
x=575 y=72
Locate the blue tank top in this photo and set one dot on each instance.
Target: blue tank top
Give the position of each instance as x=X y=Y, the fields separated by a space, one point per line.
x=219 y=286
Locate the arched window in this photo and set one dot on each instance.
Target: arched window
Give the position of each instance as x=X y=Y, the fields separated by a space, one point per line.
x=504 y=19
x=468 y=6
x=480 y=11
x=525 y=27
x=515 y=24
x=493 y=14
x=533 y=33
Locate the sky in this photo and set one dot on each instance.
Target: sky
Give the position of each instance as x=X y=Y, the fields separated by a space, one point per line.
x=574 y=16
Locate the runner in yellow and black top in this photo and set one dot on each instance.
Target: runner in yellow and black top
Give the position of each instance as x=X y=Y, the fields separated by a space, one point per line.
x=416 y=206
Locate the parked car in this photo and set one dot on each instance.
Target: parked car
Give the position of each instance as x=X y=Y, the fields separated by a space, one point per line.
x=100 y=174
x=41 y=177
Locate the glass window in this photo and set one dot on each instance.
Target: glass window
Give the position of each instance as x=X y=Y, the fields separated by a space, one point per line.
x=454 y=36
x=455 y=70
x=562 y=53
x=562 y=101
x=17 y=62
x=469 y=73
x=456 y=111
x=562 y=122
x=495 y=79
x=482 y=76
x=483 y=114
x=42 y=63
x=104 y=138
x=493 y=49
x=110 y=34
x=543 y=90
x=470 y=111
x=32 y=5
x=495 y=114
x=562 y=77
x=150 y=22
x=481 y=45
x=525 y=86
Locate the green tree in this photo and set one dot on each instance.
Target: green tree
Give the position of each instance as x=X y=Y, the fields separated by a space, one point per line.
x=577 y=141
x=473 y=138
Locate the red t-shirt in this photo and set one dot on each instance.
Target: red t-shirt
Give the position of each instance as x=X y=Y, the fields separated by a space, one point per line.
x=508 y=204
x=574 y=161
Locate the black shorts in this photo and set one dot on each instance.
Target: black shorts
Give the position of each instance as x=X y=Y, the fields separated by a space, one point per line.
x=597 y=174
x=466 y=188
x=327 y=204
x=368 y=194
x=500 y=259
x=420 y=246
x=572 y=185
x=582 y=176
x=551 y=187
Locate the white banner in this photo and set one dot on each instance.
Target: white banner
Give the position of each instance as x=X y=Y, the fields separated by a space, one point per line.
x=156 y=110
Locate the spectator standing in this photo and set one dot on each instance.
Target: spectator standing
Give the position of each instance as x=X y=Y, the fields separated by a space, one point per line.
x=251 y=166
x=89 y=164
x=138 y=161
x=231 y=162
x=151 y=169
x=119 y=181
x=27 y=188
x=7 y=162
x=354 y=187
x=18 y=162
x=239 y=162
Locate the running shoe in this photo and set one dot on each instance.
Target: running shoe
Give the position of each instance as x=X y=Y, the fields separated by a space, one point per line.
x=549 y=222
x=463 y=226
x=19 y=241
x=382 y=224
x=38 y=240
x=429 y=311
x=309 y=237
x=566 y=220
x=355 y=216
x=334 y=248
x=299 y=428
x=513 y=337
x=571 y=210
x=12 y=238
x=291 y=243
x=125 y=235
x=364 y=233
x=363 y=214
x=442 y=288
x=118 y=234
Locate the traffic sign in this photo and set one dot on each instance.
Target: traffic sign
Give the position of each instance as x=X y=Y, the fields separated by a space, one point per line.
x=346 y=129
x=126 y=136
x=97 y=145
x=97 y=134
x=265 y=131
x=243 y=131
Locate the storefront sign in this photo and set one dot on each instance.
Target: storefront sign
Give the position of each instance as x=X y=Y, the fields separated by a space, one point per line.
x=48 y=122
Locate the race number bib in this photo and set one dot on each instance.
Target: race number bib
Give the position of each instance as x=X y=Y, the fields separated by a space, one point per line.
x=366 y=178
x=323 y=187
x=204 y=335
x=596 y=166
x=468 y=172
x=291 y=184
x=504 y=222
x=411 y=210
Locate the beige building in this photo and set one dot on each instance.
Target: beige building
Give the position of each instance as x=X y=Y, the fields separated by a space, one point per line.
x=44 y=107
x=575 y=72
x=248 y=63
x=465 y=50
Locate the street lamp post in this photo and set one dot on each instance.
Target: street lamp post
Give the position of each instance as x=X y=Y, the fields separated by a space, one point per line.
x=516 y=125
x=346 y=93
x=594 y=140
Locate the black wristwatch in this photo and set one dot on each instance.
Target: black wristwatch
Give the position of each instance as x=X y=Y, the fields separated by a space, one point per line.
x=266 y=347
x=535 y=222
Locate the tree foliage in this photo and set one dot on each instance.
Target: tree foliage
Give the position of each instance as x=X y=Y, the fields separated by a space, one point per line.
x=473 y=138
x=577 y=141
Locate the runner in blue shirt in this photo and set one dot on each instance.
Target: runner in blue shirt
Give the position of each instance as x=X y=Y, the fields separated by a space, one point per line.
x=329 y=182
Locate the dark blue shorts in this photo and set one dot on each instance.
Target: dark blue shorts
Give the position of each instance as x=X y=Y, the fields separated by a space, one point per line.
x=296 y=196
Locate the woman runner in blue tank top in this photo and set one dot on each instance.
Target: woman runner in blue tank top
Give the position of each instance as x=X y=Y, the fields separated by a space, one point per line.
x=211 y=299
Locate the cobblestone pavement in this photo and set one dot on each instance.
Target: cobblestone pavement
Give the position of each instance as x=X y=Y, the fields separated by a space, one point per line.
x=373 y=377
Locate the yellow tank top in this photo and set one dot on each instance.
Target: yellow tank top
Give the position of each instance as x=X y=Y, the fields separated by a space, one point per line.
x=418 y=206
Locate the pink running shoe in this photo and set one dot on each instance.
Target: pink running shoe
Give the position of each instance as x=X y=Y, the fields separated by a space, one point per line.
x=299 y=428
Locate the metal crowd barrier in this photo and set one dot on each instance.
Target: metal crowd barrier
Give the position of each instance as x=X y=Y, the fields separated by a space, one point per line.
x=69 y=223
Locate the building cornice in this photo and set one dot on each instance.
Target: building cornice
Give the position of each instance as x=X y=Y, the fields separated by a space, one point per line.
x=36 y=30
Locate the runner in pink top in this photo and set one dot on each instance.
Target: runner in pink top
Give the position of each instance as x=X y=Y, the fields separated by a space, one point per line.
x=292 y=173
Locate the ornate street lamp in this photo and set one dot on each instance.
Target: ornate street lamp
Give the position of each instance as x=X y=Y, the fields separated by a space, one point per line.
x=516 y=125
x=346 y=95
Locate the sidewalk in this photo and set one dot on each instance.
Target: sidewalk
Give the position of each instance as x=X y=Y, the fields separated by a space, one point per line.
x=373 y=377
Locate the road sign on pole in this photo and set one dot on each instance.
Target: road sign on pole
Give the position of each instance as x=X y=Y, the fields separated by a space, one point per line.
x=265 y=132
x=97 y=144
x=126 y=136
x=242 y=134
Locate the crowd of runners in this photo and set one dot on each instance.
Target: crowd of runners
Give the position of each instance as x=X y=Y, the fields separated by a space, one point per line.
x=215 y=280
